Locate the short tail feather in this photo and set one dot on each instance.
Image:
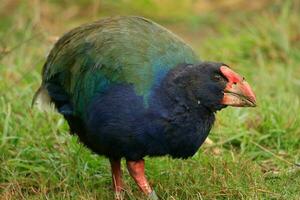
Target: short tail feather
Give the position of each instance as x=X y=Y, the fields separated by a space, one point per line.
x=42 y=99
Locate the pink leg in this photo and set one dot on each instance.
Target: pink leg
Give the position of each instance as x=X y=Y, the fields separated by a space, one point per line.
x=116 y=177
x=137 y=171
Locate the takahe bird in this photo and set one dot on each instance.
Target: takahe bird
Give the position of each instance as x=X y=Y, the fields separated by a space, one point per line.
x=130 y=88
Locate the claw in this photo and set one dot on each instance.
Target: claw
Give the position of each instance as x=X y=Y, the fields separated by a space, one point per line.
x=153 y=196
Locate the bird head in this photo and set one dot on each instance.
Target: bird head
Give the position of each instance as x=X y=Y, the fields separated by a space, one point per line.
x=213 y=85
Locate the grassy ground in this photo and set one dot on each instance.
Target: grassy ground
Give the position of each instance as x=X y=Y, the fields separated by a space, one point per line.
x=259 y=148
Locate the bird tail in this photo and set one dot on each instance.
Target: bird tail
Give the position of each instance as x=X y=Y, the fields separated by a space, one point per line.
x=42 y=99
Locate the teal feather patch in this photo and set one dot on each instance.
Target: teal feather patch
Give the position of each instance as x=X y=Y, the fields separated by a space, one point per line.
x=130 y=50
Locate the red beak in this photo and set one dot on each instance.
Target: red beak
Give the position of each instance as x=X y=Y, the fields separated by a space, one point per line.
x=237 y=92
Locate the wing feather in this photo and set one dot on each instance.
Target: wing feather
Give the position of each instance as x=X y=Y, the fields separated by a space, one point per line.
x=131 y=50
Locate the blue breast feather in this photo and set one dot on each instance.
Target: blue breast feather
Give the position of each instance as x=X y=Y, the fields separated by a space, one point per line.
x=118 y=124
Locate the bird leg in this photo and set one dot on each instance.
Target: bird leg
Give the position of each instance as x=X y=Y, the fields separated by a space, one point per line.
x=137 y=171
x=116 y=177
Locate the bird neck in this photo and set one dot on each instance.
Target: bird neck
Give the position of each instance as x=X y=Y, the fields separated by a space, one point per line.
x=185 y=126
x=178 y=106
x=175 y=101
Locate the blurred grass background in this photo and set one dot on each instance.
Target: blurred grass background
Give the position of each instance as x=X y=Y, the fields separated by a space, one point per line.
x=258 y=155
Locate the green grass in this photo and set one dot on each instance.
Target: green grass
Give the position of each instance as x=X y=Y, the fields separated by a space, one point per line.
x=258 y=147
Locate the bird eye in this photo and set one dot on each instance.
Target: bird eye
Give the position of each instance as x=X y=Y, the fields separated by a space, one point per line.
x=217 y=77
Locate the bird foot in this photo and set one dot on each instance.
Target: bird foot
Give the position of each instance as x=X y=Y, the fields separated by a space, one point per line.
x=153 y=196
x=119 y=195
x=209 y=143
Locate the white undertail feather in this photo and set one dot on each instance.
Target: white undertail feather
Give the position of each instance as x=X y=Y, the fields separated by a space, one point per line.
x=42 y=100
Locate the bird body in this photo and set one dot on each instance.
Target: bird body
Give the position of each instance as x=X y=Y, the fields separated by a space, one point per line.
x=130 y=88
x=105 y=75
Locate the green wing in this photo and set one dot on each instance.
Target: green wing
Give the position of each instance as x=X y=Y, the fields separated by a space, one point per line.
x=115 y=50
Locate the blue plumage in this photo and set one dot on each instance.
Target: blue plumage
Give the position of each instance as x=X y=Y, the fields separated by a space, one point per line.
x=130 y=88
x=120 y=125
